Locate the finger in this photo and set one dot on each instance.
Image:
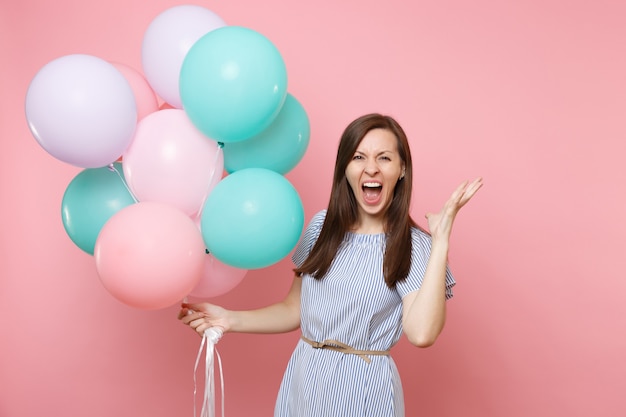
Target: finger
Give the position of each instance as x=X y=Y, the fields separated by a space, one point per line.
x=193 y=307
x=472 y=188
x=184 y=311
x=476 y=184
x=465 y=191
x=190 y=318
x=197 y=322
x=200 y=332
x=201 y=329
x=456 y=199
x=459 y=190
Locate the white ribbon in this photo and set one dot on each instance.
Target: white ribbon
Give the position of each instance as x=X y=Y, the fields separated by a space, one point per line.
x=113 y=169
x=220 y=145
x=209 y=339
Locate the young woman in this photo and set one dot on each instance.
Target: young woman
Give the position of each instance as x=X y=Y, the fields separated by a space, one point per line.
x=365 y=273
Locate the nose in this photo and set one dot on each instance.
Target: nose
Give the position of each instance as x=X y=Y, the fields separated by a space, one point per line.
x=371 y=167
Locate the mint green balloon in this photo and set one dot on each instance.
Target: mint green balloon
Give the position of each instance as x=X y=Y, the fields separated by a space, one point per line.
x=280 y=147
x=233 y=82
x=252 y=219
x=90 y=199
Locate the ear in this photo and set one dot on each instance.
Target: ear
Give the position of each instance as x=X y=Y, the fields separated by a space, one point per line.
x=403 y=173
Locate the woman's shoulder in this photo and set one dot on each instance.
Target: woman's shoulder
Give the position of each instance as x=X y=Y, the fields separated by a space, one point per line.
x=417 y=230
x=319 y=217
x=309 y=237
x=420 y=236
x=315 y=224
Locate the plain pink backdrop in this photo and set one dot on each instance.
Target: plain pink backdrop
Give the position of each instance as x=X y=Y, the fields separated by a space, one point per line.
x=529 y=94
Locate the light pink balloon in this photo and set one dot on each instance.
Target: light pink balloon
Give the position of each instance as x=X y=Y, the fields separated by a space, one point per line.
x=149 y=255
x=217 y=278
x=172 y=162
x=145 y=98
x=166 y=42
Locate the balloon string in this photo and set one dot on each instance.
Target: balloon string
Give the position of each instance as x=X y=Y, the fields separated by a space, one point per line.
x=209 y=339
x=112 y=168
x=220 y=145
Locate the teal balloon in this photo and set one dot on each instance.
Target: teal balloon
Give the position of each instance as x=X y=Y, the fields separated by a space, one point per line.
x=279 y=148
x=252 y=219
x=90 y=199
x=233 y=83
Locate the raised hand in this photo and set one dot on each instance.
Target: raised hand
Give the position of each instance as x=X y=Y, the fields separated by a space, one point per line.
x=440 y=224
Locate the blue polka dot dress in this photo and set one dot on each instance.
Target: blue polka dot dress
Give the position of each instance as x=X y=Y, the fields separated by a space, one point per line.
x=351 y=304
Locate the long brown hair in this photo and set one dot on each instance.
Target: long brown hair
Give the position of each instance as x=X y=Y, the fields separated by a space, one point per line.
x=342 y=213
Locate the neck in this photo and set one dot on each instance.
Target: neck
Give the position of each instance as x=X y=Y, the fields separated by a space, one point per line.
x=369 y=225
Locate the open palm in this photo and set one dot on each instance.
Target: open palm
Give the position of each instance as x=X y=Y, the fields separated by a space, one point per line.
x=440 y=224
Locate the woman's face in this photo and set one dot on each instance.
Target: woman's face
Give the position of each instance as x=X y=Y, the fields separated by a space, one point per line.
x=374 y=171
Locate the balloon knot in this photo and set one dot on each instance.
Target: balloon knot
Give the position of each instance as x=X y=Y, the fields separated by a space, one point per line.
x=213 y=334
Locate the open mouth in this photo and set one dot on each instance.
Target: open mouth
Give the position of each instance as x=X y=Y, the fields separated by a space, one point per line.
x=372 y=191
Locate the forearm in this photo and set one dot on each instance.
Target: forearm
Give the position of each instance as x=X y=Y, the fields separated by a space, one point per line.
x=425 y=315
x=277 y=318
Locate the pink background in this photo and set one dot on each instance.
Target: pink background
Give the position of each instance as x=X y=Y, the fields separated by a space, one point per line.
x=529 y=94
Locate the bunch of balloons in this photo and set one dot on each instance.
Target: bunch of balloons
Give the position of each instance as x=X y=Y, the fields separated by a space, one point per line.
x=182 y=198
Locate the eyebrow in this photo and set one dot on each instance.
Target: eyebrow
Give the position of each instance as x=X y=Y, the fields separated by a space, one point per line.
x=378 y=154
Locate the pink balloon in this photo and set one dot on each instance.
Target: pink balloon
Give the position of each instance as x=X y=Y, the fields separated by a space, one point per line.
x=145 y=97
x=149 y=255
x=217 y=278
x=170 y=161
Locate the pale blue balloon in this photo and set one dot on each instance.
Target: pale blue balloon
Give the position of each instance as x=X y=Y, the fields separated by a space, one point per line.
x=233 y=83
x=90 y=199
x=252 y=219
x=279 y=148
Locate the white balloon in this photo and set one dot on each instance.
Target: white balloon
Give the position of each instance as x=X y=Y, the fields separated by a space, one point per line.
x=81 y=110
x=166 y=43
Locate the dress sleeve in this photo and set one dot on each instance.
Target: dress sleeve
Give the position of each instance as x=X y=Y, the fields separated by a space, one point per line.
x=308 y=239
x=420 y=253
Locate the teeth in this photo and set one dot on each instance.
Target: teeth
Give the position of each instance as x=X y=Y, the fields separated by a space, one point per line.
x=372 y=185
